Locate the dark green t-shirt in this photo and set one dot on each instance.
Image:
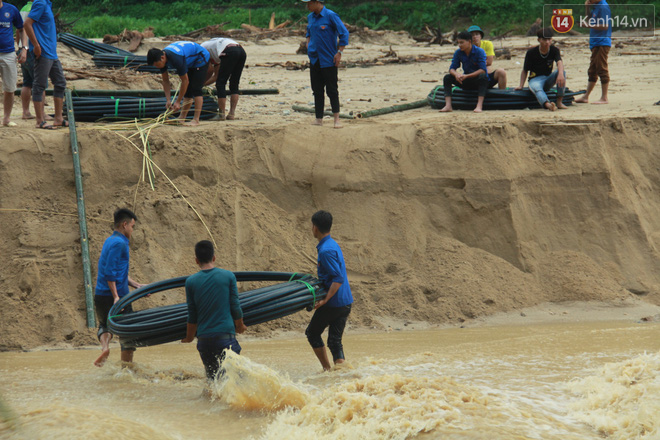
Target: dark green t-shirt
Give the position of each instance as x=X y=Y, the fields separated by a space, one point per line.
x=212 y=299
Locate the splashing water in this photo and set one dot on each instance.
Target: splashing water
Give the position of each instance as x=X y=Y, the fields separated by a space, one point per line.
x=622 y=399
x=249 y=386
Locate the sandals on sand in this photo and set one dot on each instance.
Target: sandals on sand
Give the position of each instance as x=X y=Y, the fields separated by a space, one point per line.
x=44 y=126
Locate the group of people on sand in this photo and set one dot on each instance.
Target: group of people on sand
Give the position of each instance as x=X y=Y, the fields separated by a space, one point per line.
x=214 y=311
x=222 y=60
x=475 y=55
x=38 y=60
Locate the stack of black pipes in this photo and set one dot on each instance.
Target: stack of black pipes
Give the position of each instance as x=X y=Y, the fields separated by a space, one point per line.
x=496 y=99
x=160 y=325
x=117 y=61
x=89 y=46
x=94 y=108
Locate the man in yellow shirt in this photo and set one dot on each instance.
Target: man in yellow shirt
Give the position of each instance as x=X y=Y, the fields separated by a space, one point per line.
x=497 y=76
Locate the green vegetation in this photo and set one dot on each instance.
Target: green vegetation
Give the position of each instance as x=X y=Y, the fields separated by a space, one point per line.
x=96 y=18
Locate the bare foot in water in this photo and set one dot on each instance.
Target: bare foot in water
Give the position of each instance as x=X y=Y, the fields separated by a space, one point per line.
x=101 y=359
x=317 y=122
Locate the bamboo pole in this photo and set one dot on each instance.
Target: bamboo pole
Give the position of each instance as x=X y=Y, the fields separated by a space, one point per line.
x=393 y=109
x=150 y=93
x=305 y=109
x=82 y=218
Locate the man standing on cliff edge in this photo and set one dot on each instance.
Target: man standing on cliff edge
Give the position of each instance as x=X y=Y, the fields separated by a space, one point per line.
x=324 y=27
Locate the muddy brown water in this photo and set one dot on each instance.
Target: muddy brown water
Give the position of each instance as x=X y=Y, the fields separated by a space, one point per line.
x=560 y=381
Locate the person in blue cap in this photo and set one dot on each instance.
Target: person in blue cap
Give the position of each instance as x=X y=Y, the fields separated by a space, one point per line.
x=496 y=76
x=326 y=39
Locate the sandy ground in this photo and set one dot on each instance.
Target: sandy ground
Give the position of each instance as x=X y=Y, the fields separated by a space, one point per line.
x=506 y=217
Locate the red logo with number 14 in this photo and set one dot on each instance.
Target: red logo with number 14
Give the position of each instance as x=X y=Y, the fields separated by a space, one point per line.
x=562 y=20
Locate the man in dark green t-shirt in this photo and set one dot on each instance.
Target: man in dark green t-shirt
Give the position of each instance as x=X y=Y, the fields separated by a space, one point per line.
x=214 y=313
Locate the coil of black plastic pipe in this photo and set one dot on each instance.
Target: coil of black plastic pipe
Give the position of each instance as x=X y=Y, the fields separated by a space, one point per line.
x=495 y=99
x=89 y=109
x=160 y=325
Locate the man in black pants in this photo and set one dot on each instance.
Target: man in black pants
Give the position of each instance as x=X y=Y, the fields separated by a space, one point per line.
x=333 y=310
x=191 y=62
x=475 y=71
x=324 y=27
x=226 y=64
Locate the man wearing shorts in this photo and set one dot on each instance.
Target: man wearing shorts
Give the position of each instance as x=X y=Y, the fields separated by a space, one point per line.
x=40 y=28
x=191 y=61
x=600 y=42
x=227 y=63
x=333 y=310
x=10 y=18
x=112 y=281
x=214 y=313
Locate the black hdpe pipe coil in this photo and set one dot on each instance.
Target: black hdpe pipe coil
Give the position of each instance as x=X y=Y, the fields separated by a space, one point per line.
x=90 y=109
x=160 y=325
x=118 y=61
x=89 y=46
x=496 y=99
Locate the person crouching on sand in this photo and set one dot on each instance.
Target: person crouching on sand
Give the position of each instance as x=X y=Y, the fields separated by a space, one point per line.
x=475 y=71
x=538 y=62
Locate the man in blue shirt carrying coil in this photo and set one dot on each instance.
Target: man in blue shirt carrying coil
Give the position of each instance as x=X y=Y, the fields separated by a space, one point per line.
x=333 y=310
x=326 y=39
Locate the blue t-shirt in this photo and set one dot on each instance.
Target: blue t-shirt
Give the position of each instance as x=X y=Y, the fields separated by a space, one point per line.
x=470 y=63
x=44 y=28
x=184 y=55
x=113 y=265
x=601 y=15
x=332 y=269
x=212 y=299
x=10 y=18
x=323 y=29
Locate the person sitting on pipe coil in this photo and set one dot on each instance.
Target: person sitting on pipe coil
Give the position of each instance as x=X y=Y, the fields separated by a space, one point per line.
x=475 y=72
x=538 y=62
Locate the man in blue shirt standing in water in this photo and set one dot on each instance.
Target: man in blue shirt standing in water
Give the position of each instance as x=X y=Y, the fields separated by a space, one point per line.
x=191 y=62
x=324 y=27
x=112 y=281
x=333 y=310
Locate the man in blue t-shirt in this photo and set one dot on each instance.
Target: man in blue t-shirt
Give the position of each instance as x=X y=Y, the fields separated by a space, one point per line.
x=326 y=39
x=333 y=310
x=10 y=18
x=40 y=28
x=600 y=42
x=112 y=281
x=191 y=62
x=214 y=313
x=475 y=71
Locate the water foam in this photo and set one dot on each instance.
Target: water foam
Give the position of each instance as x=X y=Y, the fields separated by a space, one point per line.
x=622 y=399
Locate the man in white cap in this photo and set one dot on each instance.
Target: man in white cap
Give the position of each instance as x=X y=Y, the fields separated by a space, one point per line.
x=326 y=39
